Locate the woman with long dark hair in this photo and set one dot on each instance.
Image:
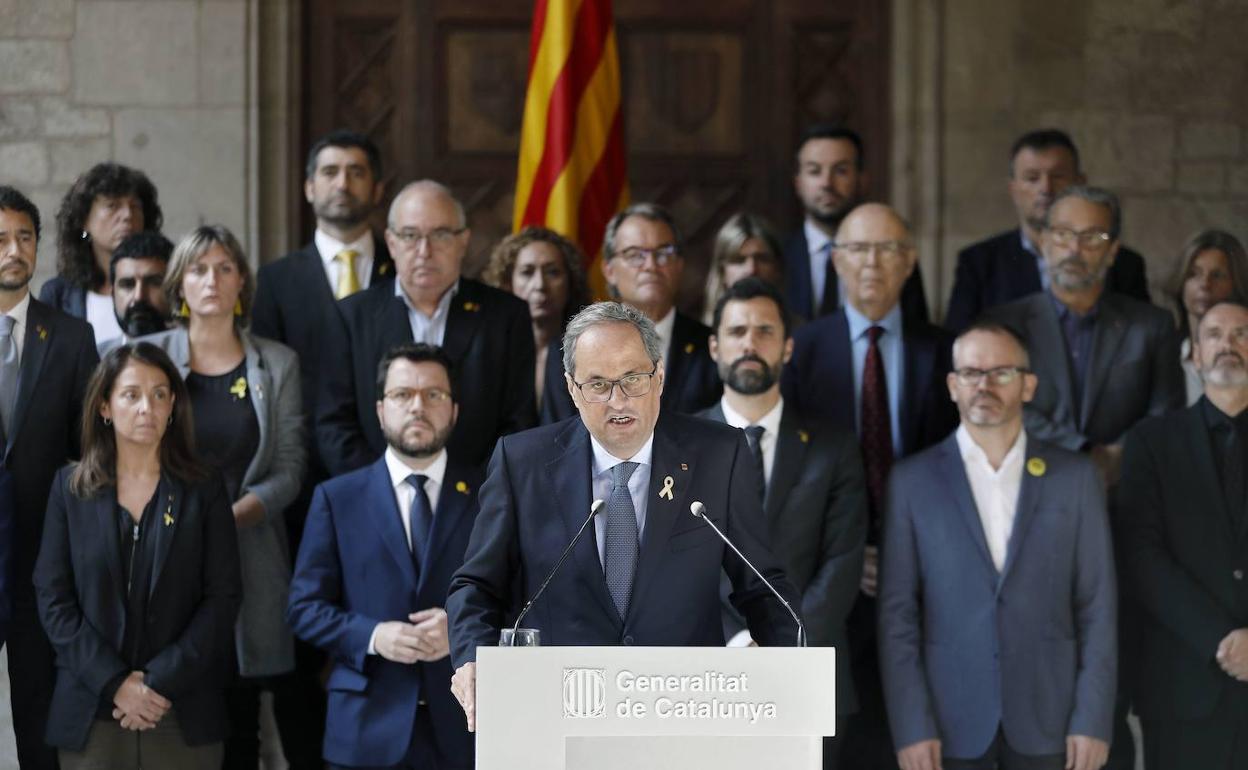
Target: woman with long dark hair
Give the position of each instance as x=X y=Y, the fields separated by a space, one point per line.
x=1213 y=268
x=138 y=579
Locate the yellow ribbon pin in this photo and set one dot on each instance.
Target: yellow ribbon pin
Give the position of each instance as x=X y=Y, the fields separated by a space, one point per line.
x=472 y=307
x=461 y=487
x=804 y=436
x=666 y=491
x=1036 y=467
x=688 y=347
x=239 y=388
x=168 y=519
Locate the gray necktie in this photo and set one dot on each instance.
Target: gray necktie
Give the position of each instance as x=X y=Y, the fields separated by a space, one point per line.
x=9 y=370
x=621 y=550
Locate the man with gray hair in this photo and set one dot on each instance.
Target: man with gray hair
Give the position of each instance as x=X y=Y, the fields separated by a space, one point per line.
x=625 y=585
x=484 y=331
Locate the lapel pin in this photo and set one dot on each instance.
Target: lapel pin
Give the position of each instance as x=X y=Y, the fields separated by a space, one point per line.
x=385 y=268
x=1036 y=467
x=461 y=487
x=688 y=347
x=684 y=467
x=666 y=491
x=239 y=388
x=472 y=307
x=168 y=519
x=43 y=333
x=804 y=436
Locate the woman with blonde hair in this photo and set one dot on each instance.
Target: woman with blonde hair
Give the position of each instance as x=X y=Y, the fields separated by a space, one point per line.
x=746 y=245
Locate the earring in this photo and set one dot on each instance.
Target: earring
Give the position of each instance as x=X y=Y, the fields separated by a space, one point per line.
x=184 y=311
x=170 y=422
x=86 y=236
x=107 y=421
x=238 y=307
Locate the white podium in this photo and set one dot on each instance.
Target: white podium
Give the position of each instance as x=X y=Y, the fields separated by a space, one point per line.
x=654 y=708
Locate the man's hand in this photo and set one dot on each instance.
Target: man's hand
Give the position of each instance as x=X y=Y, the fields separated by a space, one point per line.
x=434 y=642
x=870 y=570
x=924 y=755
x=398 y=641
x=1085 y=753
x=464 y=688
x=139 y=707
x=1108 y=459
x=1232 y=654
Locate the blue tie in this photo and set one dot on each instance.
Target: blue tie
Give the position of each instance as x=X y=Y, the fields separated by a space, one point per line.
x=421 y=517
x=621 y=550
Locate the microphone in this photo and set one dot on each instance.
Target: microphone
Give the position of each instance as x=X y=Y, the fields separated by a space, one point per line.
x=597 y=506
x=699 y=511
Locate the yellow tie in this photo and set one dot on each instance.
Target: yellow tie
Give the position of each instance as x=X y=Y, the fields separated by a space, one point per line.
x=348 y=282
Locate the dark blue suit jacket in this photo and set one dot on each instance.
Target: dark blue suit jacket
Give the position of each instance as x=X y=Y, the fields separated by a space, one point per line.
x=966 y=650
x=538 y=494
x=799 y=292
x=355 y=571
x=999 y=270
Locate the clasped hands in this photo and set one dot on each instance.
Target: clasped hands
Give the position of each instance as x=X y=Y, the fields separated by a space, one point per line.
x=138 y=707
x=1232 y=654
x=423 y=639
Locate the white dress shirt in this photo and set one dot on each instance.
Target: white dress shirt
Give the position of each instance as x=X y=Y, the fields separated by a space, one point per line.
x=428 y=329
x=664 y=328
x=638 y=484
x=771 y=430
x=995 y=491
x=404 y=495
x=329 y=247
x=18 y=314
x=102 y=315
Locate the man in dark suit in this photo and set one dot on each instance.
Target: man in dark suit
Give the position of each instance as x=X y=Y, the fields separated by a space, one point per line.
x=1181 y=520
x=814 y=498
x=867 y=369
x=650 y=573
x=997 y=597
x=46 y=358
x=830 y=180
x=643 y=267
x=485 y=332
x=1009 y=265
x=407 y=517
x=295 y=297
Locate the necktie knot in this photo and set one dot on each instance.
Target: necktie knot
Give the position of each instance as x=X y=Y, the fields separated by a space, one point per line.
x=754 y=433
x=621 y=473
x=348 y=281
x=7 y=323
x=874 y=333
x=416 y=481
x=347 y=257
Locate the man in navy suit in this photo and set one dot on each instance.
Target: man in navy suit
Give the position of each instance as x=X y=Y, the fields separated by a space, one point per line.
x=1009 y=265
x=649 y=574
x=380 y=546
x=998 y=619
x=830 y=180
x=45 y=363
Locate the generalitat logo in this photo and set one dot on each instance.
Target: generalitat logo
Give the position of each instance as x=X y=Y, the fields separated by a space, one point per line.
x=584 y=693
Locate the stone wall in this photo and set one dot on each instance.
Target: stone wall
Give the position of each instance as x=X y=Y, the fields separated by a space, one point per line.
x=161 y=85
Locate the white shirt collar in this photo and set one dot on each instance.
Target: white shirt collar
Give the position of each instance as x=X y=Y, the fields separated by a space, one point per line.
x=816 y=239
x=859 y=323
x=399 y=471
x=769 y=421
x=605 y=461
x=329 y=247
x=665 y=328
x=19 y=312
x=972 y=452
x=444 y=302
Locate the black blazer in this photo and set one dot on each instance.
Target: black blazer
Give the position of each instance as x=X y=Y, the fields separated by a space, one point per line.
x=1182 y=554
x=489 y=339
x=819 y=380
x=195 y=595
x=690 y=378
x=816 y=514
x=64 y=296
x=999 y=270
x=800 y=295
x=293 y=299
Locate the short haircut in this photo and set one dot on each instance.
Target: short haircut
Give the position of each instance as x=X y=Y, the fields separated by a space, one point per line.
x=11 y=199
x=1043 y=139
x=430 y=186
x=651 y=211
x=505 y=255
x=1227 y=302
x=752 y=288
x=145 y=245
x=345 y=138
x=195 y=245
x=1098 y=195
x=601 y=313
x=416 y=353
x=991 y=326
x=832 y=131
x=75 y=259
x=1236 y=262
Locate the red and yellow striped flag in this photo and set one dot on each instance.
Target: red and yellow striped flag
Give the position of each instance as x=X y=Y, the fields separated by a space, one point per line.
x=572 y=175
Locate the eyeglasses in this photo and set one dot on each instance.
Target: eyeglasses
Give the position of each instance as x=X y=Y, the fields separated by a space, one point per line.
x=888 y=250
x=635 y=256
x=404 y=396
x=600 y=391
x=1000 y=376
x=1092 y=240
x=438 y=238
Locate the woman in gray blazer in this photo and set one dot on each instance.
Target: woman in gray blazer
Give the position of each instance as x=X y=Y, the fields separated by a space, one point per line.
x=245 y=397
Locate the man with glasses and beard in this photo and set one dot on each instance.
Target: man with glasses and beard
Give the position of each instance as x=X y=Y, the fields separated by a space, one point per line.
x=137 y=274
x=814 y=493
x=378 y=553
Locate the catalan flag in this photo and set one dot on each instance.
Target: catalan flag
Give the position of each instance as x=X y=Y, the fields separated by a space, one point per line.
x=572 y=175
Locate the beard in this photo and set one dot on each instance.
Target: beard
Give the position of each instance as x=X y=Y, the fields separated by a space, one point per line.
x=1077 y=280
x=832 y=217
x=342 y=210
x=142 y=318
x=1228 y=371
x=10 y=282
x=750 y=382
x=396 y=438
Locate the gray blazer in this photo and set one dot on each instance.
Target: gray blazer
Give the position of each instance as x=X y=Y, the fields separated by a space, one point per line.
x=1134 y=371
x=263 y=641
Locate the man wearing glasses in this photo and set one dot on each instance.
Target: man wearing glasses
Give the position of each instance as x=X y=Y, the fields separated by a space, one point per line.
x=649 y=573
x=484 y=332
x=997 y=600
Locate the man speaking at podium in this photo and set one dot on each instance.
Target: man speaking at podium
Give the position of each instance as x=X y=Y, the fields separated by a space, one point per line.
x=646 y=571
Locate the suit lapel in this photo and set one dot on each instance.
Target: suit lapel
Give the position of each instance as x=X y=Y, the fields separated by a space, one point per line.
x=1107 y=335
x=383 y=509
x=791 y=445
x=667 y=461
x=1048 y=348
x=1025 y=275
x=170 y=506
x=462 y=321
x=448 y=513
x=797 y=265
x=311 y=274
x=260 y=383
x=1203 y=470
x=837 y=372
x=677 y=361
x=104 y=512
x=919 y=354
x=38 y=337
x=383 y=263
x=392 y=326
x=1030 y=492
x=953 y=473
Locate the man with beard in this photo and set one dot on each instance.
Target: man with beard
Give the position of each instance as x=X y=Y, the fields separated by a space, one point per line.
x=830 y=180
x=1010 y=265
x=137 y=274
x=46 y=358
x=1182 y=532
x=377 y=557
x=814 y=495
x=1105 y=361
x=997 y=596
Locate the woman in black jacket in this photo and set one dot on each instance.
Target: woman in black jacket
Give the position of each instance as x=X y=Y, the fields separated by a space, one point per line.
x=137 y=579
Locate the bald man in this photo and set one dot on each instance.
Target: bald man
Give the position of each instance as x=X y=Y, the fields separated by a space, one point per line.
x=485 y=332
x=869 y=370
